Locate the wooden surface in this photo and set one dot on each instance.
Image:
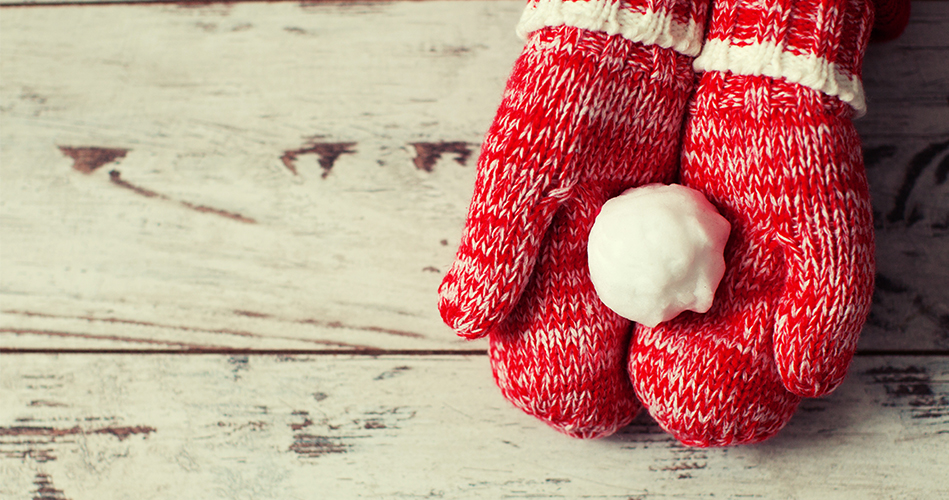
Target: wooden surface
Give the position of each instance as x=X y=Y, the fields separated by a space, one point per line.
x=221 y=231
x=255 y=427
x=219 y=107
x=277 y=176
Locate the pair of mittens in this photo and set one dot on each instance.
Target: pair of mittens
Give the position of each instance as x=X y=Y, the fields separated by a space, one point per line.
x=603 y=99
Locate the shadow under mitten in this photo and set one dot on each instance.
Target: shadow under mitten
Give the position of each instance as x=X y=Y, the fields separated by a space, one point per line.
x=769 y=140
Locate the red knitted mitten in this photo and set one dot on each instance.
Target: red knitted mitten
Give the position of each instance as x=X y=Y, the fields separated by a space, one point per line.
x=585 y=116
x=769 y=141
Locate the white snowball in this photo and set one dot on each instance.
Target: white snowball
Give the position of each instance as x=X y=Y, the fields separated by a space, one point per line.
x=657 y=250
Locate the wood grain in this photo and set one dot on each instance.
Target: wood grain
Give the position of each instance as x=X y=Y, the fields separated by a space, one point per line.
x=291 y=177
x=906 y=148
x=179 y=178
x=294 y=176
x=421 y=426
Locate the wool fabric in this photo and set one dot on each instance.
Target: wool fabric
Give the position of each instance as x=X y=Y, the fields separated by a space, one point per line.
x=585 y=115
x=890 y=19
x=775 y=150
x=594 y=106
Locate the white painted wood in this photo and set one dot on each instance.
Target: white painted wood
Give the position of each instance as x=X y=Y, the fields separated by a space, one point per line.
x=44 y=3
x=173 y=426
x=213 y=102
x=205 y=238
x=207 y=101
x=50 y=3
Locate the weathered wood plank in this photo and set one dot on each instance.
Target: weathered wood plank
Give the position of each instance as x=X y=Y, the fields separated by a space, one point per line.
x=283 y=176
x=183 y=3
x=173 y=426
x=287 y=176
x=906 y=144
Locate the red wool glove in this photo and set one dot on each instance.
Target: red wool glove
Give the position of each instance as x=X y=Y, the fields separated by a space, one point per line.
x=585 y=116
x=769 y=141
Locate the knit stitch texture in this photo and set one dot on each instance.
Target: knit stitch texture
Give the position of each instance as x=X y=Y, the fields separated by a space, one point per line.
x=595 y=105
x=783 y=164
x=584 y=117
x=675 y=24
x=816 y=43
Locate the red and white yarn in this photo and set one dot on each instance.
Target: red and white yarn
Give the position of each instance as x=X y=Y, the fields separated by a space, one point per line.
x=584 y=117
x=783 y=164
x=816 y=43
x=594 y=106
x=675 y=24
x=782 y=161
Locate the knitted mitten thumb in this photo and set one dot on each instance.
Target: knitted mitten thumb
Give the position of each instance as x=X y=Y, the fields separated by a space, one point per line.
x=769 y=141
x=526 y=170
x=579 y=108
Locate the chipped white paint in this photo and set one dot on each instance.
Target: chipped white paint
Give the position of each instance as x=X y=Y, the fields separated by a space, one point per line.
x=204 y=237
x=208 y=101
x=407 y=427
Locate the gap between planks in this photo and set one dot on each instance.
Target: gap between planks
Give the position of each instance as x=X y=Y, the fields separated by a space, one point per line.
x=59 y=3
x=269 y=317
x=194 y=3
x=394 y=427
x=870 y=353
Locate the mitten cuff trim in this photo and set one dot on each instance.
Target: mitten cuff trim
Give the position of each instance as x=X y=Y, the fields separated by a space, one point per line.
x=636 y=23
x=770 y=59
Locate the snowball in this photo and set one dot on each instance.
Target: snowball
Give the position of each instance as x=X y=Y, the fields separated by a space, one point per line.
x=657 y=250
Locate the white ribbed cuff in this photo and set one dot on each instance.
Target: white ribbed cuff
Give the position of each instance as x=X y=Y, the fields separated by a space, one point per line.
x=770 y=59
x=615 y=18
